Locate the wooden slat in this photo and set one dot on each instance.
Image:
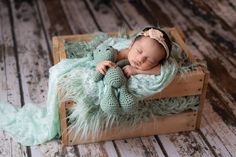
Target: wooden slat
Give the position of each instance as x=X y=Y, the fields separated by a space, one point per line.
x=226 y=135
x=152 y=146
x=144 y=146
x=123 y=7
x=63 y=120
x=54 y=19
x=214 y=140
x=189 y=84
x=106 y=18
x=224 y=11
x=226 y=103
x=55 y=49
x=220 y=39
x=202 y=97
x=77 y=15
x=9 y=83
x=165 y=124
x=33 y=55
x=158 y=17
x=212 y=51
x=185 y=144
x=133 y=147
x=32 y=52
x=105 y=149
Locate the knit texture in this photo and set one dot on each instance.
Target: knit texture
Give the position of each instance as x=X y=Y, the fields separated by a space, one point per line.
x=115 y=81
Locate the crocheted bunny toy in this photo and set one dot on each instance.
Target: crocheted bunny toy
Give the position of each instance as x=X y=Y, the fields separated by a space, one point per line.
x=116 y=84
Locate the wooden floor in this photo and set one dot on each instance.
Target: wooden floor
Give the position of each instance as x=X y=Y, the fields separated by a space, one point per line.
x=26 y=30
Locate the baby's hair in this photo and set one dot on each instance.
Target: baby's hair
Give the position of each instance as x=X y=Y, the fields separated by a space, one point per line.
x=165 y=36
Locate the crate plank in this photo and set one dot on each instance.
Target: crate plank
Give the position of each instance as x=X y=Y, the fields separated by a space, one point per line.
x=161 y=125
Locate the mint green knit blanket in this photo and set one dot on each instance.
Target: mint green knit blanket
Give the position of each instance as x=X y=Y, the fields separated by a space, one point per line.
x=32 y=125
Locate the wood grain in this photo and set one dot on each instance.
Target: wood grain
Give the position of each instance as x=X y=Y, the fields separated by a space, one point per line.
x=9 y=83
x=209 y=28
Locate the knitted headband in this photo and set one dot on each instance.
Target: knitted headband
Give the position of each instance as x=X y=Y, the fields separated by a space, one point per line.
x=158 y=36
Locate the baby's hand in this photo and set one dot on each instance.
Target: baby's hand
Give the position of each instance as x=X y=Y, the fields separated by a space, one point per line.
x=104 y=65
x=129 y=70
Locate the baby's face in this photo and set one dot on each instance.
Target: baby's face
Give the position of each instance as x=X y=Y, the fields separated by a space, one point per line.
x=145 y=53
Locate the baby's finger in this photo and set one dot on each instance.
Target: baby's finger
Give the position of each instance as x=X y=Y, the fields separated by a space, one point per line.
x=125 y=68
x=111 y=64
x=125 y=72
x=104 y=70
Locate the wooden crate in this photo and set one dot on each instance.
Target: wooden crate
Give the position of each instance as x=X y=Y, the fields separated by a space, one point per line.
x=195 y=83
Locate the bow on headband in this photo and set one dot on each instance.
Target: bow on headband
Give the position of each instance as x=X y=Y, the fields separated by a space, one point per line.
x=158 y=36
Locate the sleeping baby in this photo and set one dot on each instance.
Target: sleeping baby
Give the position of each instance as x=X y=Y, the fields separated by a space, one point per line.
x=148 y=50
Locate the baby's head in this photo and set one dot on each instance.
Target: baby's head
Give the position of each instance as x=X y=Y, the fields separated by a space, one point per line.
x=149 y=48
